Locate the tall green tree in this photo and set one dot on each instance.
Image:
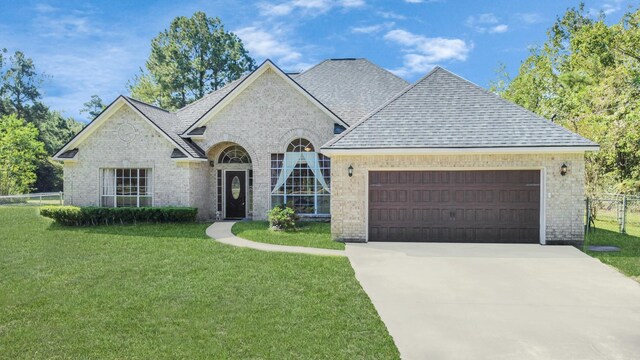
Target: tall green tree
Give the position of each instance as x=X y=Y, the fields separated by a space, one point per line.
x=193 y=57
x=20 y=83
x=20 y=95
x=586 y=77
x=93 y=107
x=20 y=154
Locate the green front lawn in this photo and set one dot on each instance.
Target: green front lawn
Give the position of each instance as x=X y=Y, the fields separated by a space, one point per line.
x=627 y=260
x=168 y=291
x=308 y=234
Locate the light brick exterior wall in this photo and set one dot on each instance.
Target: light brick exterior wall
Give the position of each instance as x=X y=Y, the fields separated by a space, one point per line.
x=174 y=183
x=563 y=198
x=263 y=119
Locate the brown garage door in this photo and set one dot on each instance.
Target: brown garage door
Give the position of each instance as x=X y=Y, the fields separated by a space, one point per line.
x=455 y=206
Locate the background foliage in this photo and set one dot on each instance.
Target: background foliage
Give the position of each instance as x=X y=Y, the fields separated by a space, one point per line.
x=28 y=121
x=192 y=58
x=586 y=77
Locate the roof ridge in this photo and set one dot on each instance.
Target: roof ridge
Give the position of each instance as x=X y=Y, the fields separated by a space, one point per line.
x=144 y=103
x=378 y=109
x=313 y=67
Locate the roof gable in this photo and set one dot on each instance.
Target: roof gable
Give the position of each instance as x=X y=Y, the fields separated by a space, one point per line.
x=159 y=119
x=244 y=83
x=444 y=111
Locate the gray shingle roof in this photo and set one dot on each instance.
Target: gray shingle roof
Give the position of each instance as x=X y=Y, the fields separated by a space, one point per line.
x=169 y=124
x=351 y=88
x=442 y=110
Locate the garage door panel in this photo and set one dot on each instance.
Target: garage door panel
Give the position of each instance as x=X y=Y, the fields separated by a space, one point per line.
x=460 y=206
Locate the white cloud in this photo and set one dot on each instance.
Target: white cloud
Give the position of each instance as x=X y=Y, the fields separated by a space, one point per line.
x=487 y=22
x=423 y=52
x=352 y=3
x=311 y=7
x=43 y=8
x=372 y=28
x=391 y=15
x=608 y=7
x=80 y=53
x=264 y=44
x=414 y=1
x=498 y=29
x=529 y=18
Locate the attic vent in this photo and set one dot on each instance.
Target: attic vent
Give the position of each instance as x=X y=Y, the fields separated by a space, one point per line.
x=345 y=59
x=177 y=154
x=198 y=131
x=69 y=154
x=338 y=129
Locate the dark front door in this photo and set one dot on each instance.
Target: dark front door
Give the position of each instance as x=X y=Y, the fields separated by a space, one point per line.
x=235 y=194
x=455 y=206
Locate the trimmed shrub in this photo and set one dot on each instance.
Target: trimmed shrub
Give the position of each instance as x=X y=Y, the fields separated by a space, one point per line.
x=79 y=216
x=282 y=218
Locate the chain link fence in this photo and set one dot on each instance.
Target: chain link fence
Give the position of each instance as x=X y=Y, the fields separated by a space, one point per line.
x=616 y=208
x=36 y=199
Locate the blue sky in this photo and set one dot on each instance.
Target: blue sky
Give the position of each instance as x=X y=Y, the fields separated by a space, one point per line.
x=95 y=47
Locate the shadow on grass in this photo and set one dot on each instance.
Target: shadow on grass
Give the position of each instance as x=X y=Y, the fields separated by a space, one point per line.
x=627 y=260
x=177 y=230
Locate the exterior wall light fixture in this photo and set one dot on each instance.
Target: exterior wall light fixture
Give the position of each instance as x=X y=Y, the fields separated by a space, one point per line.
x=563 y=169
x=350 y=170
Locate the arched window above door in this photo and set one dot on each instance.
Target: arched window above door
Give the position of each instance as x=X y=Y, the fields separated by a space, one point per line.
x=300 y=145
x=234 y=154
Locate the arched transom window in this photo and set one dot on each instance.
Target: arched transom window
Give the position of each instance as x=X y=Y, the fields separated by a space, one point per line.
x=234 y=154
x=300 y=145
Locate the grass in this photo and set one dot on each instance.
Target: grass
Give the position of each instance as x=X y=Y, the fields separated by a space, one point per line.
x=627 y=260
x=308 y=234
x=167 y=291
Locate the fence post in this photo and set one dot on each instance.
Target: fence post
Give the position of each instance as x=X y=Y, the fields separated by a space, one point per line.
x=40 y=200
x=588 y=216
x=61 y=198
x=623 y=217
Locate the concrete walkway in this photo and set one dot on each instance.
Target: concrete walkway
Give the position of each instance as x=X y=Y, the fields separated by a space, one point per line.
x=221 y=232
x=493 y=301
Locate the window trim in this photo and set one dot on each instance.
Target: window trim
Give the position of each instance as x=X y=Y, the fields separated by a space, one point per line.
x=316 y=186
x=234 y=148
x=150 y=188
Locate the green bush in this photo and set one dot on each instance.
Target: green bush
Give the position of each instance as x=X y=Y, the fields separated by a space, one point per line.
x=282 y=218
x=79 y=216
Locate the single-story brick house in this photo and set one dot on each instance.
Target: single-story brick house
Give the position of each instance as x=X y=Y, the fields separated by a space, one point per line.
x=439 y=160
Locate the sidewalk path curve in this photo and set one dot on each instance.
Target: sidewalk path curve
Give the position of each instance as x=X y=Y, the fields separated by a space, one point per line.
x=221 y=232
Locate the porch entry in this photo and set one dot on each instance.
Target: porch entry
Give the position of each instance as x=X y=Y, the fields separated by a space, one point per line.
x=235 y=194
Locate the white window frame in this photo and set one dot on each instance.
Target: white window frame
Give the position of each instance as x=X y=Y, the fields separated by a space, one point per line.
x=149 y=181
x=286 y=196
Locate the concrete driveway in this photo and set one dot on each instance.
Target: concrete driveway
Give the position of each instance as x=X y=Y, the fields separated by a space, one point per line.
x=490 y=301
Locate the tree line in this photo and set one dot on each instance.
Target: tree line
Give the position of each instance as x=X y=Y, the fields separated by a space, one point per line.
x=586 y=77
